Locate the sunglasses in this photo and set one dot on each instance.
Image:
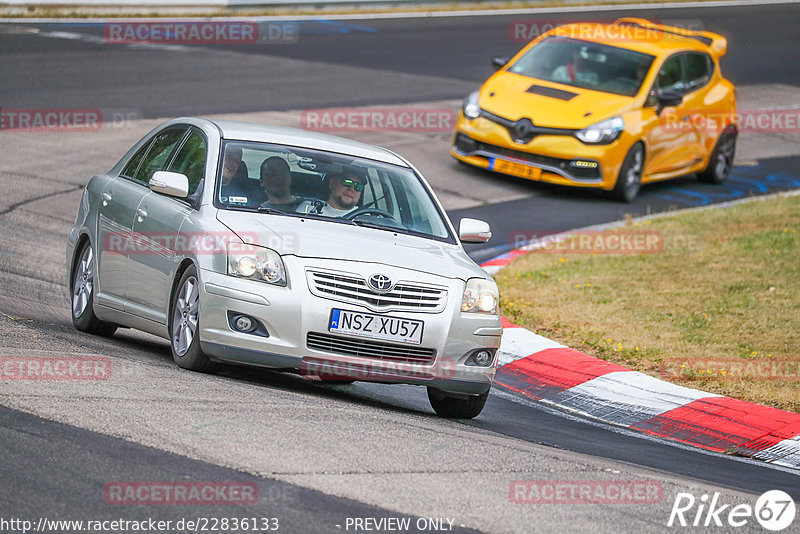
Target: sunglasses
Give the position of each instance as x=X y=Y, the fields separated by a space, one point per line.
x=358 y=186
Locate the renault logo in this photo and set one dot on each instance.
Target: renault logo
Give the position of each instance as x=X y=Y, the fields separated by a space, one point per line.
x=380 y=283
x=522 y=130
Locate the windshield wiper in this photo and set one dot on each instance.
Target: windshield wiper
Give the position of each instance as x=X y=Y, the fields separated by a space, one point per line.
x=267 y=209
x=388 y=228
x=251 y=209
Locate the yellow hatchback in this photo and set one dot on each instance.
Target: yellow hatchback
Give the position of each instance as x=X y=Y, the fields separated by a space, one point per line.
x=609 y=106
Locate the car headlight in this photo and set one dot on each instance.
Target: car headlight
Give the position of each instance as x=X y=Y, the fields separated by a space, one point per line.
x=480 y=296
x=471 y=107
x=602 y=132
x=256 y=263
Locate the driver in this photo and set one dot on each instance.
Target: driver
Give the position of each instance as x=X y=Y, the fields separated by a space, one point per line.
x=345 y=193
x=577 y=70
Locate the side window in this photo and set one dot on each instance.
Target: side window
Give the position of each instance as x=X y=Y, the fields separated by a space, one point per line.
x=191 y=160
x=130 y=169
x=698 y=69
x=158 y=155
x=670 y=76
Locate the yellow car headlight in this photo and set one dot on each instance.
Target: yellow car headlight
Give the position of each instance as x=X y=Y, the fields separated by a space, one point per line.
x=603 y=132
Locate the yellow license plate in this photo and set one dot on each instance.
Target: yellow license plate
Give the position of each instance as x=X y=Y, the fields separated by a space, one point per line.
x=515 y=169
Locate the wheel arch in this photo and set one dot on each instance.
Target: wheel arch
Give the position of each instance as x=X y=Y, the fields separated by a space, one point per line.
x=182 y=267
x=83 y=238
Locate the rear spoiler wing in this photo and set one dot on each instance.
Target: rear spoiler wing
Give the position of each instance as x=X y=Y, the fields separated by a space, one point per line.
x=717 y=43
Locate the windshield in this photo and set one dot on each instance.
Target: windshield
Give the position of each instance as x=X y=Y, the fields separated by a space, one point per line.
x=586 y=65
x=282 y=180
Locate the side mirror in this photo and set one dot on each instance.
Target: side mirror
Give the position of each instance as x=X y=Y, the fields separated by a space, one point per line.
x=173 y=184
x=474 y=231
x=498 y=62
x=667 y=99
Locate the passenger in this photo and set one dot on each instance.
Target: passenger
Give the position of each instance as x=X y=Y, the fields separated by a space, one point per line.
x=345 y=193
x=276 y=179
x=236 y=185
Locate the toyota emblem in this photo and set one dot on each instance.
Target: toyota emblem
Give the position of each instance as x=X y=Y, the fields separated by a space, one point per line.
x=380 y=283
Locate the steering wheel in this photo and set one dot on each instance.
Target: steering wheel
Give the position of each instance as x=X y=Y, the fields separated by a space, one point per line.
x=368 y=211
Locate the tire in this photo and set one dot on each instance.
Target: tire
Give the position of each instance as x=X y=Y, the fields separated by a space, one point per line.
x=184 y=325
x=721 y=161
x=629 y=180
x=82 y=295
x=456 y=407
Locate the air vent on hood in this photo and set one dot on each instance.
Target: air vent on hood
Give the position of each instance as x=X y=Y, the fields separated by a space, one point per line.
x=549 y=91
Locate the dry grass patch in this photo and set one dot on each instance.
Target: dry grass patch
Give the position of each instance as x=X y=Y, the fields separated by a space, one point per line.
x=717 y=309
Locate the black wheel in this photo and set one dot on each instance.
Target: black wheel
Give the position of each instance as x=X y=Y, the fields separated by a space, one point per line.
x=82 y=283
x=456 y=407
x=184 y=325
x=721 y=161
x=629 y=180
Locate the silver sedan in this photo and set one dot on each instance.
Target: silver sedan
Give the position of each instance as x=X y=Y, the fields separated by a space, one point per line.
x=289 y=250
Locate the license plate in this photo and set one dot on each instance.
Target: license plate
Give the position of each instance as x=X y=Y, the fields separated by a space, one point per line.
x=376 y=326
x=515 y=169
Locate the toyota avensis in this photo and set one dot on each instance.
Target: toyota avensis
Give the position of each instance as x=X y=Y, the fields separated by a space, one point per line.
x=609 y=106
x=288 y=250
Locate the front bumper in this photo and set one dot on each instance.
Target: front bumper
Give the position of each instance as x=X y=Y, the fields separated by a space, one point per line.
x=564 y=159
x=289 y=314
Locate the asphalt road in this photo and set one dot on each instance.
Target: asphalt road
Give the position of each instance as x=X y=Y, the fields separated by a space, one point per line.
x=318 y=454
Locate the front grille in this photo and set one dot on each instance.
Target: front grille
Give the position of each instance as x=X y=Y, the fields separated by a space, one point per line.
x=353 y=288
x=365 y=348
x=467 y=146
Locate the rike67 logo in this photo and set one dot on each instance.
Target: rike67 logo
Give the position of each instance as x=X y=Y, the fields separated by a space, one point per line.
x=774 y=510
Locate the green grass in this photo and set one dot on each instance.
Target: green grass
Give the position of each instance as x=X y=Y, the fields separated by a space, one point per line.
x=724 y=291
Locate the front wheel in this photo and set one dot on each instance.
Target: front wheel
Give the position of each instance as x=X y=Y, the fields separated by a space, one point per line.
x=721 y=161
x=629 y=180
x=456 y=407
x=184 y=326
x=83 y=286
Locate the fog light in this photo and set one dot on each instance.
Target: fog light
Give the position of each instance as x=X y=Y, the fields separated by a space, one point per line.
x=243 y=323
x=483 y=358
x=584 y=164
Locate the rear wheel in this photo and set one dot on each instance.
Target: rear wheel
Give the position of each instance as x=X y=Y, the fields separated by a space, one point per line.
x=83 y=316
x=465 y=407
x=184 y=326
x=721 y=161
x=629 y=180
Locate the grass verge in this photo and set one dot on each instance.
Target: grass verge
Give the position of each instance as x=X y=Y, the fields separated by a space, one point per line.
x=710 y=300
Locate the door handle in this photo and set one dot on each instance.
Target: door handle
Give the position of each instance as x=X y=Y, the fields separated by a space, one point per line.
x=106 y=198
x=142 y=213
